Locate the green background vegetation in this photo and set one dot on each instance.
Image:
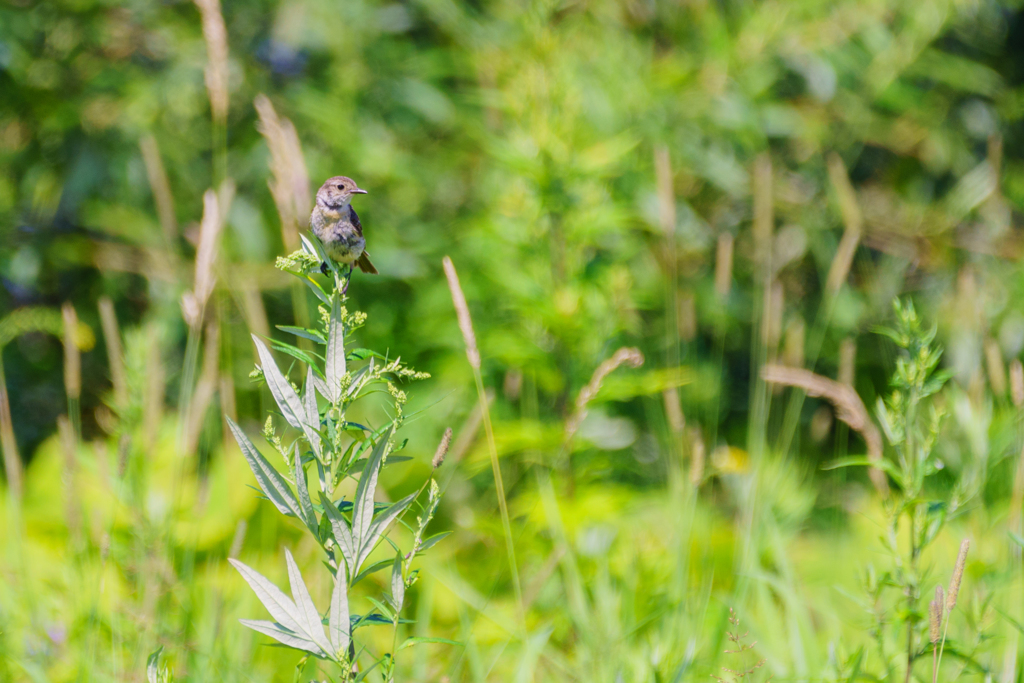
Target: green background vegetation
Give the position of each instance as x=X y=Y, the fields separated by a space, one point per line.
x=673 y=176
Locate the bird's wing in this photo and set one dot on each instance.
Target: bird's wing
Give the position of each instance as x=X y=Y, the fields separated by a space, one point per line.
x=355 y=220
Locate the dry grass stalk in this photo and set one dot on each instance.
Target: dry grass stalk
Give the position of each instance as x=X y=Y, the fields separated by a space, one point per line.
x=161 y=188
x=12 y=459
x=666 y=193
x=698 y=455
x=238 y=539
x=215 y=34
x=995 y=367
x=958 y=575
x=115 y=354
x=483 y=399
x=206 y=387
x=1017 y=382
x=468 y=431
x=626 y=354
x=687 y=324
x=462 y=311
x=72 y=355
x=764 y=213
x=215 y=206
x=253 y=309
x=442 y=449
x=228 y=408
x=153 y=394
x=771 y=322
x=673 y=410
x=847 y=361
x=290 y=186
x=853 y=221
x=68 y=448
x=935 y=614
x=723 y=264
x=793 y=348
x=849 y=408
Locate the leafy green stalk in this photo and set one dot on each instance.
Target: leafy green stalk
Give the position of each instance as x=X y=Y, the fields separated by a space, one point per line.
x=319 y=435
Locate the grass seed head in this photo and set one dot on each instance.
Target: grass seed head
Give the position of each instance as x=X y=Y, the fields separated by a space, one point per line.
x=958 y=575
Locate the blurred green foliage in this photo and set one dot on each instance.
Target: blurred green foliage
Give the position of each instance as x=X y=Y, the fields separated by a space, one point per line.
x=672 y=176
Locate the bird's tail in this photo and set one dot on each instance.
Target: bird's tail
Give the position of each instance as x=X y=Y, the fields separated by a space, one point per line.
x=365 y=265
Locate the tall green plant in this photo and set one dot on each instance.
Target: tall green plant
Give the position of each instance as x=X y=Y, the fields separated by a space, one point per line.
x=911 y=420
x=336 y=448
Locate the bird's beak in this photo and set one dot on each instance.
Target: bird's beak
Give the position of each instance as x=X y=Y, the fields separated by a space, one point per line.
x=358 y=191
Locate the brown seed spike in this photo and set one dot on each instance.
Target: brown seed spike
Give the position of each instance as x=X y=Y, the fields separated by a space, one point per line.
x=958 y=575
x=442 y=449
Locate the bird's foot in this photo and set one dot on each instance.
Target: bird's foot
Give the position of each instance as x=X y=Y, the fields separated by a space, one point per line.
x=348 y=281
x=324 y=268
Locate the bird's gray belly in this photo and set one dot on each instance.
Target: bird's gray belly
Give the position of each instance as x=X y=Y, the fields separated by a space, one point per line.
x=342 y=242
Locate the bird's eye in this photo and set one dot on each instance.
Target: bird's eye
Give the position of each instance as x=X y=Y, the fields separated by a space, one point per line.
x=340 y=187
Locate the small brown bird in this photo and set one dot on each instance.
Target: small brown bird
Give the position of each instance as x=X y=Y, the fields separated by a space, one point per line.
x=335 y=222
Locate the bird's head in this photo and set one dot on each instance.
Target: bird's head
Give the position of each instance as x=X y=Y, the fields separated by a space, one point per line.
x=336 y=192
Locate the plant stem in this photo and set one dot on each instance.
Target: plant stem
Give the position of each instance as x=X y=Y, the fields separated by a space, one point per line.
x=500 y=487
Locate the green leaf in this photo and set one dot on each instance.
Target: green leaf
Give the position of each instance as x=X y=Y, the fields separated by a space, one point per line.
x=287 y=400
x=305 y=333
x=296 y=353
x=317 y=290
x=363 y=354
x=362 y=518
x=305 y=504
x=397 y=584
x=431 y=541
x=342 y=533
x=339 y=627
x=270 y=480
x=370 y=569
x=277 y=603
x=379 y=525
x=409 y=642
x=335 y=361
x=312 y=417
x=309 y=617
x=384 y=609
x=283 y=636
x=153 y=672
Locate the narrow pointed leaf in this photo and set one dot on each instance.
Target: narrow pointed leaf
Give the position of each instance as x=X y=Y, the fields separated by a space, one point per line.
x=338 y=625
x=363 y=515
x=312 y=417
x=380 y=524
x=270 y=480
x=397 y=584
x=309 y=617
x=342 y=533
x=277 y=603
x=317 y=290
x=409 y=642
x=335 y=361
x=357 y=386
x=153 y=666
x=430 y=541
x=305 y=504
x=287 y=400
x=303 y=332
x=375 y=567
x=321 y=386
x=284 y=636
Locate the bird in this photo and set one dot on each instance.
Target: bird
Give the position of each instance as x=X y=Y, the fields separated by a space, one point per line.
x=337 y=225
